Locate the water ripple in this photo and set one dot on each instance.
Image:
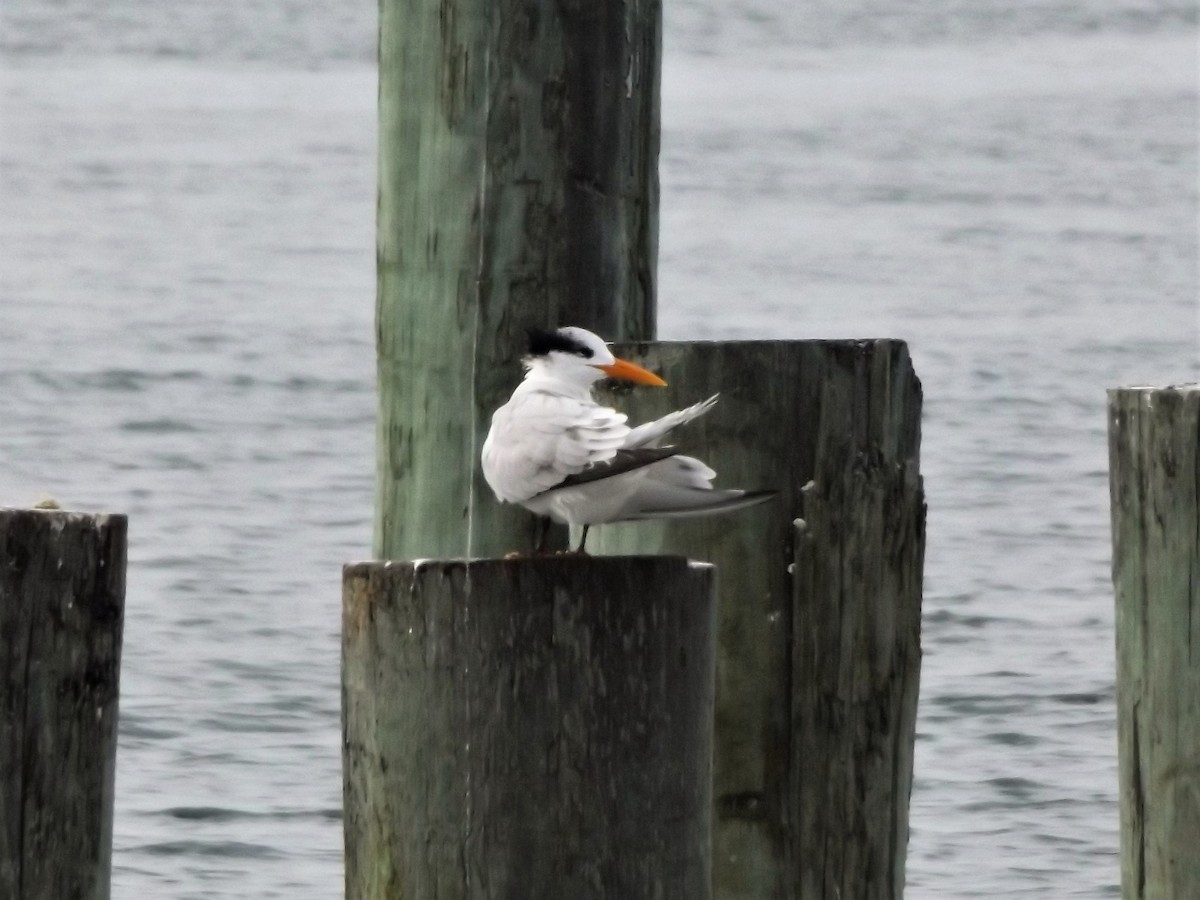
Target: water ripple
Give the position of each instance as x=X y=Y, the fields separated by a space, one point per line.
x=231 y=849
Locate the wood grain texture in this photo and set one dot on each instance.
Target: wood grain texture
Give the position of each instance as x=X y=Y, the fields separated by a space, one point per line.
x=528 y=729
x=1154 y=478
x=62 y=599
x=518 y=186
x=817 y=667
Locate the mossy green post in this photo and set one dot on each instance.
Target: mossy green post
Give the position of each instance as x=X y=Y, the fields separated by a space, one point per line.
x=518 y=186
x=1154 y=475
x=819 y=603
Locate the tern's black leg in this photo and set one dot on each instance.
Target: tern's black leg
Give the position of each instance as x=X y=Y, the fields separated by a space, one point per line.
x=543 y=529
x=582 y=539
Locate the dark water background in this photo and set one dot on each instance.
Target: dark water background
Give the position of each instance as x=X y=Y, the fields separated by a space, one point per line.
x=186 y=301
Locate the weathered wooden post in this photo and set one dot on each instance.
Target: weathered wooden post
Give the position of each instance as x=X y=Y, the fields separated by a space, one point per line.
x=1154 y=477
x=528 y=729
x=62 y=600
x=518 y=186
x=819 y=604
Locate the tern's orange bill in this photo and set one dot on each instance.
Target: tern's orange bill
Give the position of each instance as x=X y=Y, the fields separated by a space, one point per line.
x=627 y=371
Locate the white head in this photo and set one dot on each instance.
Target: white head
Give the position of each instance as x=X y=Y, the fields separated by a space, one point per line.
x=579 y=356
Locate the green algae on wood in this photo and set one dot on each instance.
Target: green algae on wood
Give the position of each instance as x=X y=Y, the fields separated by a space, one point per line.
x=518 y=186
x=819 y=603
x=1154 y=480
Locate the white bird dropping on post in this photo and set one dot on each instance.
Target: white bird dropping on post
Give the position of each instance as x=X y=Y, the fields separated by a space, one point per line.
x=556 y=451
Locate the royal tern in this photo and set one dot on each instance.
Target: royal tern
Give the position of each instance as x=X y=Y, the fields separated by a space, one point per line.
x=556 y=451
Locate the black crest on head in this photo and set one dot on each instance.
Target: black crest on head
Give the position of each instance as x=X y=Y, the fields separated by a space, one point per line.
x=542 y=342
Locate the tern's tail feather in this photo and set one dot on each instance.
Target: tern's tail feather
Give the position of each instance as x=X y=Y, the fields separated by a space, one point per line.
x=659 y=501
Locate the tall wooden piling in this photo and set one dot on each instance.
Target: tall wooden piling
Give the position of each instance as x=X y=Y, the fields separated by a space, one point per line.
x=819 y=603
x=62 y=600
x=518 y=186
x=1154 y=460
x=530 y=729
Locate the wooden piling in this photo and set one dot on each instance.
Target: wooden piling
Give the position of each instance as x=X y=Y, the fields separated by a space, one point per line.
x=528 y=729
x=819 y=603
x=518 y=186
x=1154 y=479
x=62 y=599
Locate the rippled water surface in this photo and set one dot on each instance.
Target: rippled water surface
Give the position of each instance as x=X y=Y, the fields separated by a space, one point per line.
x=186 y=301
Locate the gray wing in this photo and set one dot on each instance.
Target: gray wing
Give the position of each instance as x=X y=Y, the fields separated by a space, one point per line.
x=681 y=487
x=624 y=461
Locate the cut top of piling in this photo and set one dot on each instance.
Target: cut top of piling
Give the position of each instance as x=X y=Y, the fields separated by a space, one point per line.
x=1181 y=388
x=55 y=513
x=550 y=563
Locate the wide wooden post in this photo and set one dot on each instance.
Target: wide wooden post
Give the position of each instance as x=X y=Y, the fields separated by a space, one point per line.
x=531 y=729
x=1154 y=459
x=62 y=600
x=819 y=603
x=518 y=186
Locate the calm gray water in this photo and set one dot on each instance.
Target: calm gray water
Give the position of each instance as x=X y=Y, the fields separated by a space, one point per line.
x=186 y=301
